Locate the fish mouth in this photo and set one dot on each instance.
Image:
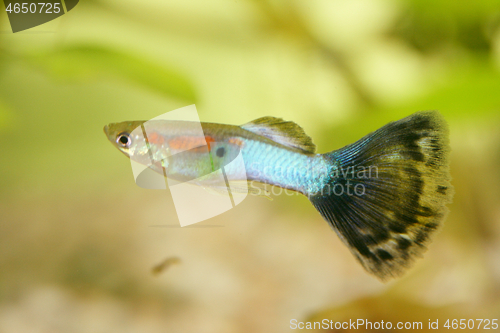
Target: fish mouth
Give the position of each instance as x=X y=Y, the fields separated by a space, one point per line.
x=106 y=128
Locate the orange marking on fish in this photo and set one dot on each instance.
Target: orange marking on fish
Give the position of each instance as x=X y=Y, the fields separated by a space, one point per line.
x=190 y=142
x=237 y=141
x=209 y=140
x=155 y=138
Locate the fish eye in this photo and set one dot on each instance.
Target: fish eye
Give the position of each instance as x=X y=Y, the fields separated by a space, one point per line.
x=124 y=140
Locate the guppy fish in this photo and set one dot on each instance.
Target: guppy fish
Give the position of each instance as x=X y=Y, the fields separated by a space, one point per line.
x=398 y=176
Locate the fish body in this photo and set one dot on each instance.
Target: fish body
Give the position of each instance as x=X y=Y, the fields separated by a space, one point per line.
x=385 y=219
x=188 y=156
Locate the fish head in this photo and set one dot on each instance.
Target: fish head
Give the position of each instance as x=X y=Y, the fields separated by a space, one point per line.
x=179 y=149
x=128 y=138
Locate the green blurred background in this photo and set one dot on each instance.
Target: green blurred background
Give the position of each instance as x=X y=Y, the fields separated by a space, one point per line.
x=78 y=238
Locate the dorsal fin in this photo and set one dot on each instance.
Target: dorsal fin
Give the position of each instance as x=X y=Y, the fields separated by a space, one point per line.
x=286 y=133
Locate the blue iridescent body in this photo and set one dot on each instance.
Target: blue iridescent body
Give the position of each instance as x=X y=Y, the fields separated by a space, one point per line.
x=271 y=164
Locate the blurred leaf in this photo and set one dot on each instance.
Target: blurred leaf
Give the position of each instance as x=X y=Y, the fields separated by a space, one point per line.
x=90 y=61
x=430 y=25
x=440 y=7
x=469 y=89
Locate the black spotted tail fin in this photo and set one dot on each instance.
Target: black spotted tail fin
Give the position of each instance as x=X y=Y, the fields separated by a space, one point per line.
x=388 y=193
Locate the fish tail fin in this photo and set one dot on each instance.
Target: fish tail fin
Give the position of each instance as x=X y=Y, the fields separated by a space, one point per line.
x=399 y=184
